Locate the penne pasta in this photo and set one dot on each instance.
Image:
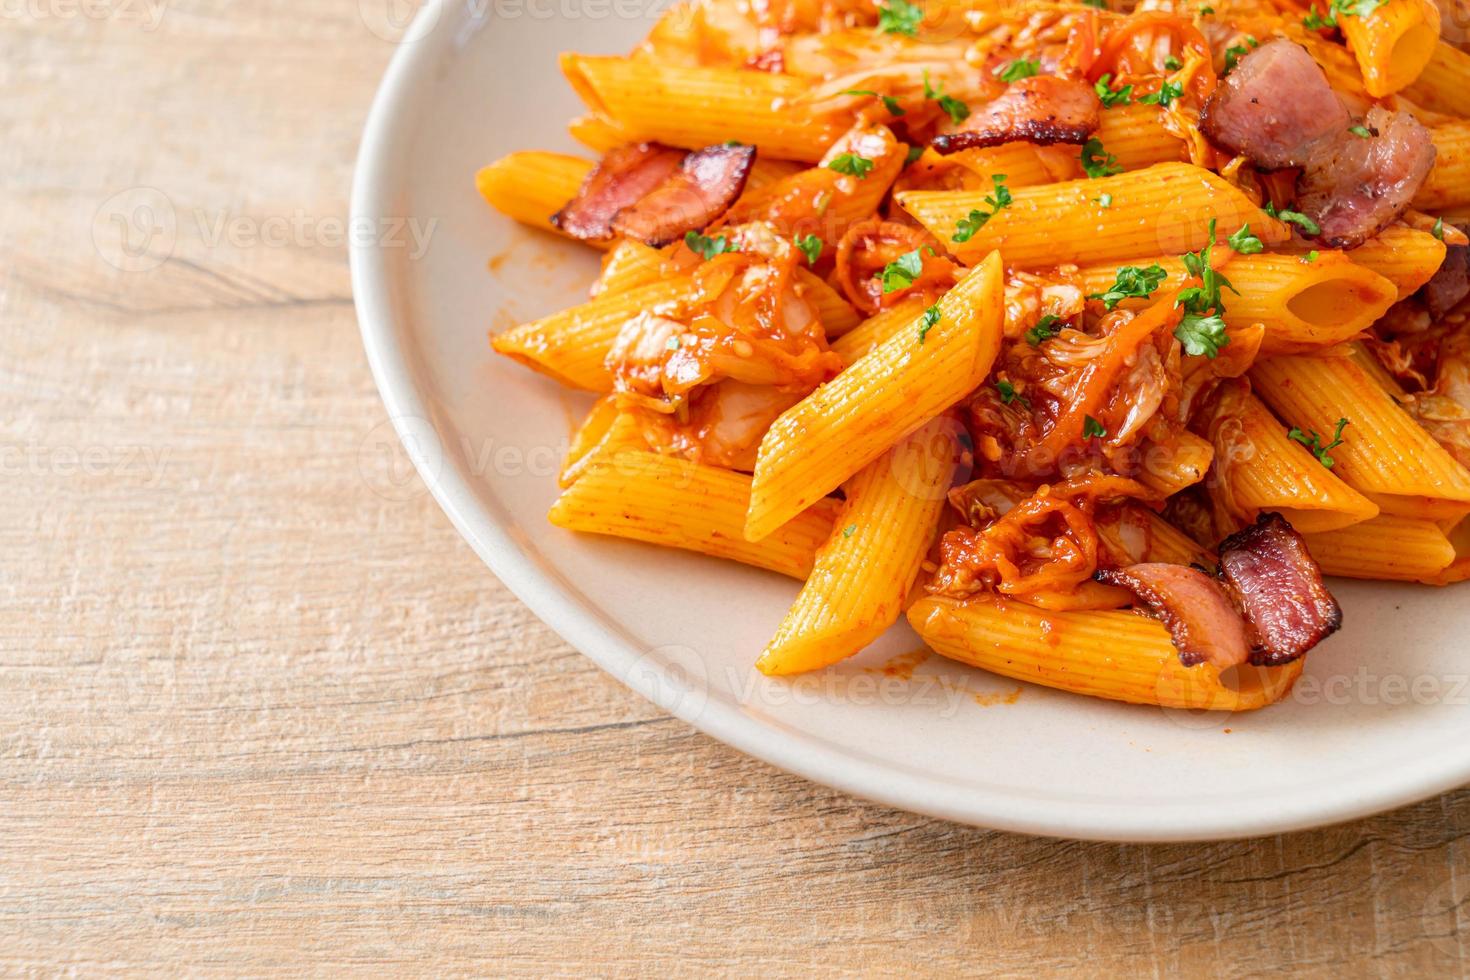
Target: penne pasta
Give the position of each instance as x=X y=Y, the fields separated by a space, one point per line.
x=1393 y=44
x=1404 y=256
x=1302 y=305
x=878 y=328
x=865 y=571
x=698 y=107
x=901 y=384
x=1258 y=469
x=628 y=265
x=1136 y=135
x=1386 y=547
x=1448 y=184
x=678 y=504
x=1384 y=454
x=1170 y=468
x=1444 y=84
x=1121 y=656
x=531 y=186
x=838 y=316
x=572 y=345
x=607 y=430
x=1164 y=209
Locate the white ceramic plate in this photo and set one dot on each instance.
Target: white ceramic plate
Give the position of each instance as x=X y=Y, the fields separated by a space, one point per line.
x=1378 y=720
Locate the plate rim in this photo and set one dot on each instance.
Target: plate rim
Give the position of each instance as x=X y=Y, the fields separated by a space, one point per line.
x=389 y=125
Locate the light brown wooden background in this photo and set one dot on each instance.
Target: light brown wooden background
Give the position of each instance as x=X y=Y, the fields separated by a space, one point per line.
x=255 y=715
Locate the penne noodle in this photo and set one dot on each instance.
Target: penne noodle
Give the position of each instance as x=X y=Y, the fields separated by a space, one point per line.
x=865 y=571
x=1386 y=547
x=901 y=384
x=1459 y=569
x=1404 y=256
x=1385 y=454
x=531 y=186
x=678 y=504
x=572 y=345
x=878 y=328
x=1444 y=84
x=698 y=107
x=628 y=265
x=1302 y=305
x=1393 y=44
x=1122 y=656
x=1137 y=136
x=1448 y=183
x=1258 y=469
x=1165 y=209
x=838 y=316
x=1022 y=164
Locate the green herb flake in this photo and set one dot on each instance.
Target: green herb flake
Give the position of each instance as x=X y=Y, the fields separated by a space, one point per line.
x=900 y=17
x=851 y=164
x=1303 y=222
x=811 y=247
x=1093 y=429
x=1309 y=258
x=1110 y=97
x=928 y=321
x=1362 y=132
x=1166 y=94
x=849 y=531
x=1019 y=69
x=1245 y=243
x=1046 y=328
x=966 y=227
x=1438 y=230
x=902 y=271
x=1007 y=392
x=708 y=247
x=1096 y=161
x=957 y=111
x=889 y=102
x=1131 y=282
x=1172 y=63
x=1313 y=441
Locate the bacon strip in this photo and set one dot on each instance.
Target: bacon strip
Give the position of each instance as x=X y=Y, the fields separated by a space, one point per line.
x=1280 y=590
x=1195 y=609
x=1450 y=284
x=1042 y=109
x=624 y=176
x=1278 y=109
x=703 y=188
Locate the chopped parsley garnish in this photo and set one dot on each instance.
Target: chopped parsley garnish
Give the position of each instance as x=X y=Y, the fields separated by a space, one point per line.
x=889 y=102
x=1019 y=69
x=1105 y=200
x=1166 y=94
x=1132 y=282
x=957 y=111
x=1099 y=4
x=851 y=164
x=1098 y=162
x=1303 y=222
x=1108 y=96
x=1045 y=329
x=849 y=531
x=1235 y=52
x=902 y=271
x=1206 y=11
x=1093 y=429
x=966 y=227
x=1357 y=8
x=1245 y=243
x=708 y=247
x=1314 y=21
x=900 y=17
x=1202 y=330
x=1309 y=258
x=1007 y=392
x=672 y=343
x=927 y=321
x=1313 y=441
x=1172 y=63
x=1362 y=132
x=913 y=154
x=811 y=247
x=1438 y=230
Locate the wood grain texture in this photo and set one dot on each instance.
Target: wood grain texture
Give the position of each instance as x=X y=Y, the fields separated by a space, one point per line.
x=264 y=712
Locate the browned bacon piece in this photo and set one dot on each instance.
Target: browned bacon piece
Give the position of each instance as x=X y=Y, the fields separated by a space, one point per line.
x=1277 y=108
x=1197 y=612
x=1274 y=107
x=1279 y=589
x=1042 y=109
x=626 y=174
x=702 y=189
x=1450 y=284
x=1355 y=186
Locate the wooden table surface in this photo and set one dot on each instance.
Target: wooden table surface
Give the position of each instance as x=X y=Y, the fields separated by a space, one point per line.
x=260 y=715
